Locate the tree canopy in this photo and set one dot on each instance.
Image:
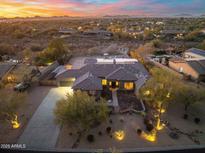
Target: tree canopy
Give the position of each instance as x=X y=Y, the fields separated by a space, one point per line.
x=80 y=110
x=160 y=88
x=55 y=51
x=190 y=95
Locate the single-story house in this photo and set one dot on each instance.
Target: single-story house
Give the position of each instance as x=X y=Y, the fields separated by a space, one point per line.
x=4 y=69
x=194 y=53
x=173 y=33
x=195 y=68
x=102 y=33
x=100 y=74
x=67 y=31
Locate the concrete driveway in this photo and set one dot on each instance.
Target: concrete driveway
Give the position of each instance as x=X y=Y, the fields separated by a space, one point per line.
x=42 y=132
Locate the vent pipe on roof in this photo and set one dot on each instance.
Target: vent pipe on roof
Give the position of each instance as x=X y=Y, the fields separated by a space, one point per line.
x=114 y=61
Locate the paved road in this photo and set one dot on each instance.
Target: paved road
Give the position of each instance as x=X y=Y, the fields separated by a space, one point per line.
x=41 y=132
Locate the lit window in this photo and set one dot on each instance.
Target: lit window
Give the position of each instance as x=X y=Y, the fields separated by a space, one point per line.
x=104 y=82
x=113 y=83
x=129 y=85
x=117 y=83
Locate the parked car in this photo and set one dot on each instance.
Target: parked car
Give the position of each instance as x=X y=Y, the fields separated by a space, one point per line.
x=21 y=87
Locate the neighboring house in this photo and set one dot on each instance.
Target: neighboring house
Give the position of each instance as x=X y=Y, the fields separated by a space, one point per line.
x=47 y=72
x=105 y=74
x=194 y=53
x=67 y=31
x=195 y=68
x=203 y=31
x=5 y=68
x=102 y=33
x=173 y=33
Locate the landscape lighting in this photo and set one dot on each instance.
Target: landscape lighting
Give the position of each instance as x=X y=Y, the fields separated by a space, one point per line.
x=150 y=137
x=119 y=135
x=15 y=123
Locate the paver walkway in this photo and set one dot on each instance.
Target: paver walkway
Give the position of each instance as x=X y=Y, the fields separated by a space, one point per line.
x=41 y=132
x=114 y=99
x=115 y=103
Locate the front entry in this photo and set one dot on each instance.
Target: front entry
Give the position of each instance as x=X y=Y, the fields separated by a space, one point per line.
x=114 y=85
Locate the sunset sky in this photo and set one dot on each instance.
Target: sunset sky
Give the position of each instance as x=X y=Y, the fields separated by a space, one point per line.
x=29 y=8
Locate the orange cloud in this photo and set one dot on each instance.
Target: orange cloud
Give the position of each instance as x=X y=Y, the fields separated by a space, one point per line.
x=30 y=8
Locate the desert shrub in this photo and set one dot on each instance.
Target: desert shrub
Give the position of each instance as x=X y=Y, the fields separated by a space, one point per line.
x=70 y=133
x=10 y=104
x=90 y=138
x=100 y=133
x=74 y=107
x=18 y=34
x=185 y=116
x=6 y=49
x=56 y=50
x=36 y=48
x=139 y=132
x=197 y=120
x=108 y=129
x=149 y=127
x=157 y=43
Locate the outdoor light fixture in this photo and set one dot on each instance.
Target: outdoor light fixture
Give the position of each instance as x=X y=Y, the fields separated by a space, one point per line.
x=150 y=137
x=160 y=126
x=15 y=123
x=161 y=110
x=119 y=135
x=50 y=63
x=168 y=95
x=147 y=93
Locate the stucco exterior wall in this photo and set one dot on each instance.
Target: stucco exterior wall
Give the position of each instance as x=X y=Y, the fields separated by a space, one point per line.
x=183 y=67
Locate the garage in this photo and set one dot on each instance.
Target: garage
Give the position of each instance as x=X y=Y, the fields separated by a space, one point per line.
x=66 y=83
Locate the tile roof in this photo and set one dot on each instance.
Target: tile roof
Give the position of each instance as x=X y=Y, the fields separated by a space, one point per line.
x=197 y=51
x=4 y=68
x=103 y=70
x=87 y=82
x=121 y=74
x=198 y=66
x=72 y=73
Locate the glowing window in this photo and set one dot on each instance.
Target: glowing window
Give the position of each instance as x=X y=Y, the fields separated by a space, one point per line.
x=117 y=83
x=129 y=85
x=104 y=82
x=110 y=83
x=113 y=83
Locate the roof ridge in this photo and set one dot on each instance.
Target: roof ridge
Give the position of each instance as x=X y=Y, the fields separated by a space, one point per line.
x=87 y=73
x=116 y=70
x=197 y=49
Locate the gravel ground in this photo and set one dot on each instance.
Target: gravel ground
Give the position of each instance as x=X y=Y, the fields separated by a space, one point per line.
x=132 y=141
x=35 y=97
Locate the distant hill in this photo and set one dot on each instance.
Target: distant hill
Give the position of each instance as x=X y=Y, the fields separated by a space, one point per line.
x=184 y=15
x=117 y=16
